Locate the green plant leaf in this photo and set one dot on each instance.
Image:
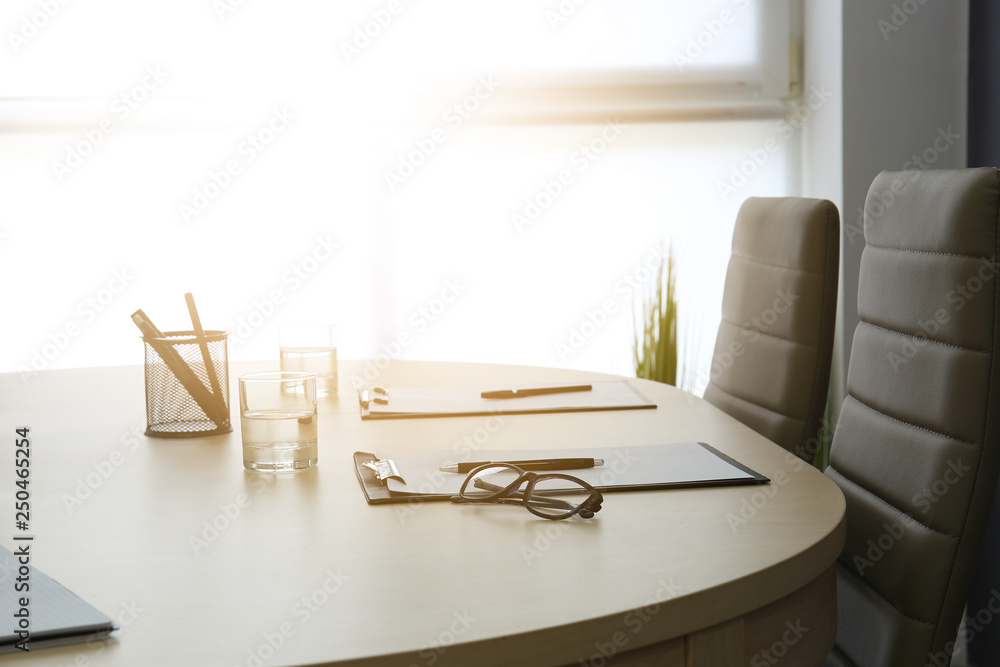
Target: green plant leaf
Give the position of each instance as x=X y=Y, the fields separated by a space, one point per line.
x=655 y=345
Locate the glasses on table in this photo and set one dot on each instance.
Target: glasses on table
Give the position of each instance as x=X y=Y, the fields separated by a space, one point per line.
x=548 y=495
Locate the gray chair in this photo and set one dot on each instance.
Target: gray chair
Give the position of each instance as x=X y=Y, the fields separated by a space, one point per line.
x=771 y=367
x=915 y=451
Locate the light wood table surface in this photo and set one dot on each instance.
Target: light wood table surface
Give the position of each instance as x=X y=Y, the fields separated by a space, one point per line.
x=205 y=563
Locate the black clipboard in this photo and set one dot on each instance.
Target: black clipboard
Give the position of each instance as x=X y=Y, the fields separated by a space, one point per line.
x=653 y=467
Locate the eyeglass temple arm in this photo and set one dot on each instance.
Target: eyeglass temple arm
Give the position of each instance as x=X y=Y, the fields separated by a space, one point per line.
x=517 y=495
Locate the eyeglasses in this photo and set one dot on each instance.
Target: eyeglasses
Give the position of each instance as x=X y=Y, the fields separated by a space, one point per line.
x=551 y=495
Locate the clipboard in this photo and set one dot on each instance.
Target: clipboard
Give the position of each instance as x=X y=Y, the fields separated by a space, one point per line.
x=414 y=476
x=411 y=402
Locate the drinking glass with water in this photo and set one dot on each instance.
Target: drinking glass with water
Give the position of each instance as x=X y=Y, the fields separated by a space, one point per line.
x=311 y=349
x=278 y=420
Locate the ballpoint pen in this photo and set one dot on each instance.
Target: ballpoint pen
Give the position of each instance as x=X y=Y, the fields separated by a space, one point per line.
x=535 y=391
x=533 y=464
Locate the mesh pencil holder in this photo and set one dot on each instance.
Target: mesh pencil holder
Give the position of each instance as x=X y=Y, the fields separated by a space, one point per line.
x=177 y=406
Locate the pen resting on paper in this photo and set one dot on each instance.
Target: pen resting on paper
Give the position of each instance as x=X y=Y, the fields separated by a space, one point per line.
x=535 y=391
x=530 y=464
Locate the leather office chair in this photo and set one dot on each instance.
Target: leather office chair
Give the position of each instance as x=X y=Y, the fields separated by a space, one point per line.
x=771 y=367
x=916 y=446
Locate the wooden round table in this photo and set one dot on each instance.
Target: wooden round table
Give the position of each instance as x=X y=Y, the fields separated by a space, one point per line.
x=203 y=562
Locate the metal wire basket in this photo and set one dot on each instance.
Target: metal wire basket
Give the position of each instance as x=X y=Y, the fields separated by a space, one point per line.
x=171 y=409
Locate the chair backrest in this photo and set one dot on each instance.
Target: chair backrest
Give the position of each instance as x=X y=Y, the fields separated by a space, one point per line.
x=915 y=451
x=771 y=368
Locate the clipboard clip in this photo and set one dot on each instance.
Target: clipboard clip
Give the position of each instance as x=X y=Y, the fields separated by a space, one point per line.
x=384 y=469
x=376 y=395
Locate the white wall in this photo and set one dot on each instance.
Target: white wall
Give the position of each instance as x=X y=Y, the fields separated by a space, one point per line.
x=898 y=69
x=822 y=138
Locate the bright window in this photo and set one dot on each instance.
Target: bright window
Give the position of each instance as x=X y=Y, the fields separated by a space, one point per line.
x=447 y=180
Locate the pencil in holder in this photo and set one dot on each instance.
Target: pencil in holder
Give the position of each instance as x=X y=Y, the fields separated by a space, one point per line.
x=187 y=384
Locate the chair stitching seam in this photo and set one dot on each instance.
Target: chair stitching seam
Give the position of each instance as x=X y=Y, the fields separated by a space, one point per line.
x=836 y=649
x=764 y=333
x=739 y=398
x=906 y=423
x=776 y=266
x=930 y=340
x=886 y=600
x=926 y=252
x=891 y=506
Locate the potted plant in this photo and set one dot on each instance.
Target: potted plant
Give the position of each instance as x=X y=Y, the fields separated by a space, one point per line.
x=656 y=343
